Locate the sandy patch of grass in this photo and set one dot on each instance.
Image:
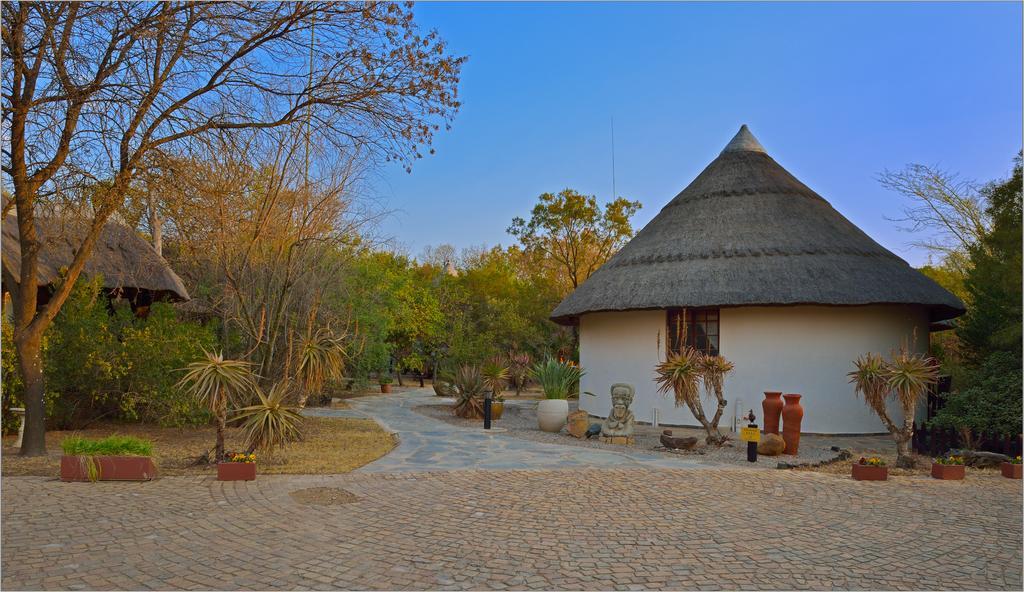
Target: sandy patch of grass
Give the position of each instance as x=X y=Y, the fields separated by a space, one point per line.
x=330 y=445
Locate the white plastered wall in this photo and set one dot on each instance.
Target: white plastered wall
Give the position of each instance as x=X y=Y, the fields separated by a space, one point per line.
x=793 y=349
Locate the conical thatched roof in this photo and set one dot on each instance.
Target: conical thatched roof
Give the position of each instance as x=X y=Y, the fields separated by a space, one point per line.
x=746 y=232
x=122 y=256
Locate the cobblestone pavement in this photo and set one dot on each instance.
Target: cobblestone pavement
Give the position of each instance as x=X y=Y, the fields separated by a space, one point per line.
x=565 y=529
x=427 y=444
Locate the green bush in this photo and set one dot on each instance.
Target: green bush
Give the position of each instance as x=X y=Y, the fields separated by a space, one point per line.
x=991 y=404
x=110 y=446
x=117 y=366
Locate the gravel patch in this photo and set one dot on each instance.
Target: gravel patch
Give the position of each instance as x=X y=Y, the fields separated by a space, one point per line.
x=520 y=421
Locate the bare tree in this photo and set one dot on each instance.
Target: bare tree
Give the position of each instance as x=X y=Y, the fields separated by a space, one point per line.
x=942 y=203
x=89 y=89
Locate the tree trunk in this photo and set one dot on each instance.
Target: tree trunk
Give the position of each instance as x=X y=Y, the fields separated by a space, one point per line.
x=714 y=436
x=156 y=227
x=399 y=373
x=722 y=404
x=904 y=459
x=222 y=412
x=30 y=363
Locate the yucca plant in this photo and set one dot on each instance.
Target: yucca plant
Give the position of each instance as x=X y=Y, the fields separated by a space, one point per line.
x=321 y=358
x=218 y=383
x=557 y=379
x=713 y=371
x=496 y=376
x=682 y=373
x=270 y=422
x=469 y=400
x=907 y=377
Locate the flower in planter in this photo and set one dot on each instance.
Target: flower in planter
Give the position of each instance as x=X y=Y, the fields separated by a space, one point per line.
x=1015 y=460
x=871 y=461
x=950 y=460
x=240 y=457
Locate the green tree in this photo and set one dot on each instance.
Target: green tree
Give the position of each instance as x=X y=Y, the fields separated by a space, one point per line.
x=571 y=233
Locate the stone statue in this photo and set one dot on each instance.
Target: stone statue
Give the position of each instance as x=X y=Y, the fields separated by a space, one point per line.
x=618 y=426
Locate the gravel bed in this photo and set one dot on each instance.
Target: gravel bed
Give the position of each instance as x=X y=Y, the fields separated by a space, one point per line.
x=520 y=421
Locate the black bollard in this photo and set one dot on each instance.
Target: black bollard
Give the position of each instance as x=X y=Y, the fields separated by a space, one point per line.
x=487 y=410
x=752 y=446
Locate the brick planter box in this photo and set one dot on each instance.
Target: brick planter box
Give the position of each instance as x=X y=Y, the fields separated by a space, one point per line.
x=1010 y=470
x=948 y=472
x=870 y=473
x=385 y=388
x=236 y=471
x=107 y=468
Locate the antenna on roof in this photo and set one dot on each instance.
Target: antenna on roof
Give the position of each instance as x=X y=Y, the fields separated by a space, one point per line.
x=614 y=194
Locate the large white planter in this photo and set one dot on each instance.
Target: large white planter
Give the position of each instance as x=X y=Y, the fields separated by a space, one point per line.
x=552 y=413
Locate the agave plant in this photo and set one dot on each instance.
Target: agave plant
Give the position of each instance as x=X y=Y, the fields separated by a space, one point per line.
x=218 y=383
x=469 y=400
x=496 y=376
x=557 y=379
x=270 y=422
x=907 y=377
x=321 y=358
x=682 y=373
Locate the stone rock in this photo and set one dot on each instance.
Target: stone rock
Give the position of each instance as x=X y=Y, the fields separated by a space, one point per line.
x=579 y=423
x=593 y=430
x=445 y=389
x=677 y=442
x=981 y=460
x=771 y=445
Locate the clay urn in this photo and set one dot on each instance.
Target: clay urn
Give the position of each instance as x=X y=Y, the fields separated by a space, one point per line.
x=772 y=407
x=792 y=415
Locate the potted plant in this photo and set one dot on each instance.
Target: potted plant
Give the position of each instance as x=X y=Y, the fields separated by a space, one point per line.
x=558 y=380
x=950 y=468
x=1011 y=469
x=237 y=466
x=870 y=469
x=385 y=384
x=114 y=458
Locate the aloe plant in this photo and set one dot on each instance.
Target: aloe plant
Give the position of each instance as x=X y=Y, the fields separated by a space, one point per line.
x=682 y=373
x=557 y=379
x=321 y=358
x=217 y=383
x=270 y=422
x=469 y=401
x=496 y=376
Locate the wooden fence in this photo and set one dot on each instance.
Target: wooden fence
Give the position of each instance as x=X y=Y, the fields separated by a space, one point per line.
x=937 y=441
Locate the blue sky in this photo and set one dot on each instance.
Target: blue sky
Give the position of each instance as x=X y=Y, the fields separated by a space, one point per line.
x=835 y=92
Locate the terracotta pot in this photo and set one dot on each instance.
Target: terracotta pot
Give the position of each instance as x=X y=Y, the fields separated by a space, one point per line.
x=236 y=471
x=772 y=407
x=1010 y=470
x=948 y=472
x=792 y=415
x=107 y=468
x=869 y=473
x=497 y=408
x=552 y=414
x=385 y=388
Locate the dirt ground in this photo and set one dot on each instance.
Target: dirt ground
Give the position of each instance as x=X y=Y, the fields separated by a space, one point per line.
x=328 y=446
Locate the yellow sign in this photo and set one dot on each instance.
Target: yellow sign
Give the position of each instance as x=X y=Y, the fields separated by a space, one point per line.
x=750 y=434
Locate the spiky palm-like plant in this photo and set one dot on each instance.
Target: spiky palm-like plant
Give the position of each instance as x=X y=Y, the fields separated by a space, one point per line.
x=906 y=377
x=681 y=373
x=270 y=422
x=713 y=371
x=519 y=370
x=469 y=401
x=496 y=376
x=321 y=358
x=217 y=383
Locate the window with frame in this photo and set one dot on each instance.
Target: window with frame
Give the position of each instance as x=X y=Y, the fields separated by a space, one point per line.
x=693 y=327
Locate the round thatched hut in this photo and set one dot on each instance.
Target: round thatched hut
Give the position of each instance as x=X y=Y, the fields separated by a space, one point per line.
x=762 y=270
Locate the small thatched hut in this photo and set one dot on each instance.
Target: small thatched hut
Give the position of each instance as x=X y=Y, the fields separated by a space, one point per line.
x=762 y=270
x=130 y=267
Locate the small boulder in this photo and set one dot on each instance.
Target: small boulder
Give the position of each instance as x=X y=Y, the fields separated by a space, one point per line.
x=676 y=442
x=594 y=430
x=578 y=423
x=771 y=445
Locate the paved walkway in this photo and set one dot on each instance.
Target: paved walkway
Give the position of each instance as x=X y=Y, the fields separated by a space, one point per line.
x=571 y=529
x=426 y=444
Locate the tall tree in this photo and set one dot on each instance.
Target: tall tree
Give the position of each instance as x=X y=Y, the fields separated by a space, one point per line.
x=572 y=233
x=91 y=89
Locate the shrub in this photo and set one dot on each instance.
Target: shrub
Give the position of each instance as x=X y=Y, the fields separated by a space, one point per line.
x=557 y=379
x=991 y=404
x=114 y=445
